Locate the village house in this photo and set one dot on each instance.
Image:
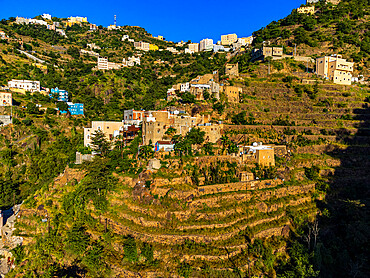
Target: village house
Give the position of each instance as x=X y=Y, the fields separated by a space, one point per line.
x=228 y=39
x=156 y=123
x=233 y=93
x=257 y=153
x=232 y=70
x=335 y=68
x=110 y=129
x=74 y=109
x=23 y=86
x=204 y=82
x=3 y=35
x=212 y=131
x=262 y=53
x=306 y=10
x=62 y=95
x=133 y=117
x=5 y=99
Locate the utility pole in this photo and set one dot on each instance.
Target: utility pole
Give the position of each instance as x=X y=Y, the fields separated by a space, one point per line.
x=307 y=66
x=269 y=68
x=295 y=49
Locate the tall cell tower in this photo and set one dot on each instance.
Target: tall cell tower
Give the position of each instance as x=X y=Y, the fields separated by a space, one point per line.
x=115 y=20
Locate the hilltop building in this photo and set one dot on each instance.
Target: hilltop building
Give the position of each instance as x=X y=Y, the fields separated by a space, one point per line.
x=131 y=61
x=61 y=94
x=229 y=39
x=46 y=16
x=193 y=47
x=206 y=45
x=24 y=85
x=335 y=68
x=306 y=10
x=6 y=99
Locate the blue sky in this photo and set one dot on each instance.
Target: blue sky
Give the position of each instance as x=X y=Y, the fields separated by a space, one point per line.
x=175 y=20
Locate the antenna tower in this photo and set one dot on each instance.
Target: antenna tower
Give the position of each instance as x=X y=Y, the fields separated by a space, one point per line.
x=115 y=20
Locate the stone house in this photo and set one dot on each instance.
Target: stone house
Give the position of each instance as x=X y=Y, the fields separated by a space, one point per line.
x=257 y=153
x=232 y=70
x=233 y=93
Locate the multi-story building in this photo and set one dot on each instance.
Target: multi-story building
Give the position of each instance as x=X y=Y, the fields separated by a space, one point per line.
x=232 y=93
x=262 y=53
x=160 y=37
x=228 y=39
x=245 y=41
x=62 y=95
x=156 y=123
x=258 y=153
x=217 y=48
x=6 y=99
x=335 y=68
x=25 y=85
x=306 y=10
x=193 y=47
x=74 y=109
x=212 y=131
x=206 y=45
x=133 y=117
x=145 y=46
x=103 y=64
x=111 y=130
x=312 y=1
x=77 y=19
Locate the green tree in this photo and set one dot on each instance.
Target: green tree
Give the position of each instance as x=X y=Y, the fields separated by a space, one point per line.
x=99 y=143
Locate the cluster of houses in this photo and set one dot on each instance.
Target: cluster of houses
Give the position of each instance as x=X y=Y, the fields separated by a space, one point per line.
x=157 y=127
x=51 y=26
x=23 y=86
x=208 y=83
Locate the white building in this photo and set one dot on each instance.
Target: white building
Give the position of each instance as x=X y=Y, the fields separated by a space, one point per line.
x=89 y=52
x=46 y=16
x=125 y=37
x=93 y=46
x=131 y=61
x=206 y=45
x=104 y=64
x=27 y=85
x=3 y=35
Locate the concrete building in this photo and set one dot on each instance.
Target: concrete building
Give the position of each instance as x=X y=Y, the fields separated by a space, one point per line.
x=3 y=35
x=306 y=10
x=25 y=85
x=228 y=39
x=77 y=19
x=205 y=82
x=125 y=37
x=110 y=129
x=233 y=93
x=6 y=99
x=133 y=117
x=218 y=48
x=335 y=68
x=193 y=47
x=232 y=70
x=172 y=50
x=257 y=153
x=74 y=109
x=245 y=41
x=145 y=46
x=206 y=45
x=262 y=53
x=62 y=95
x=104 y=64
x=93 y=27
x=156 y=123
x=131 y=61
x=312 y=1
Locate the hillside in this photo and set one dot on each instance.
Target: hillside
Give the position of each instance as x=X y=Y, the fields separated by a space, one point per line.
x=203 y=209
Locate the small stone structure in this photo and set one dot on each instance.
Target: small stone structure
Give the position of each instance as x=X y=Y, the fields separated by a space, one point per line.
x=154 y=164
x=5 y=119
x=83 y=157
